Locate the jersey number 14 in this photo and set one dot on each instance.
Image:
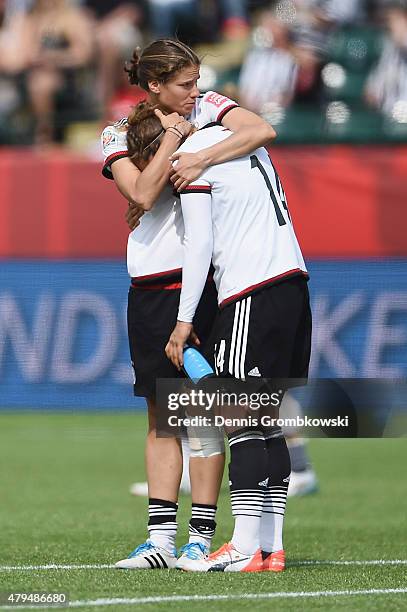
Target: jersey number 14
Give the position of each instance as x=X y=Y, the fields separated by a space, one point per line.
x=256 y=163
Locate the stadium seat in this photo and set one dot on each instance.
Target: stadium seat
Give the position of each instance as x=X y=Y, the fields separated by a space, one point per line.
x=394 y=131
x=226 y=78
x=300 y=124
x=357 y=124
x=349 y=88
x=355 y=48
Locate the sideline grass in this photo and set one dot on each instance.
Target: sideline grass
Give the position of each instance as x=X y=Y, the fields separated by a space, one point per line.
x=64 y=481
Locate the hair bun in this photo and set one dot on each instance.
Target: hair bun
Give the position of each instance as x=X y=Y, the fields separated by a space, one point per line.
x=132 y=67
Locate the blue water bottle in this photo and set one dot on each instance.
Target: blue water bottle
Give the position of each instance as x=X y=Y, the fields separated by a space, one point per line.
x=195 y=365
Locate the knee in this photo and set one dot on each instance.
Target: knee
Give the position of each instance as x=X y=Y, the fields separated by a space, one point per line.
x=208 y=443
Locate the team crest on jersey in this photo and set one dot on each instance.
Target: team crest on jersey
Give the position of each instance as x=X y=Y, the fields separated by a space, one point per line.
x=109 y=138
x=216 y=99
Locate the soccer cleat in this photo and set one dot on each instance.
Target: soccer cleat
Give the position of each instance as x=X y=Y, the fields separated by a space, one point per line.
x=302 y=483
x=228 y=559
x=275 y=562
x=194 y=558
x=148 y=556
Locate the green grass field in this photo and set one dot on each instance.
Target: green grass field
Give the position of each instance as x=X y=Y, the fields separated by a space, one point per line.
x=65 y=501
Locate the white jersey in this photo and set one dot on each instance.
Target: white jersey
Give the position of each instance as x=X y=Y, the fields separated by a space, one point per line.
x=238 y=211
x=155 y=247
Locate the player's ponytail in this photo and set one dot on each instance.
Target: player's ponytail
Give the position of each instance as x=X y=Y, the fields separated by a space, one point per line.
x=160 y=61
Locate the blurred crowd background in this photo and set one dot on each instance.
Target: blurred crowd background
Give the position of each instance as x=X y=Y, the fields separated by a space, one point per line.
x=318 y=70
x=321 y=71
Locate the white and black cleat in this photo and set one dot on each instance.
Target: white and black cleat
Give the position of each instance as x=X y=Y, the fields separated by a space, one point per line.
x=148 y=556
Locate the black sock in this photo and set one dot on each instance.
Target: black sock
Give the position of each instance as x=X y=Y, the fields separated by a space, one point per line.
x=248 y=471
x=162 y=522
x=202 y=524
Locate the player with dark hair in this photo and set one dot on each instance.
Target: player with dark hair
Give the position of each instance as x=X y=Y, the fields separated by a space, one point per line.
x=168 y=70
x=236 y=214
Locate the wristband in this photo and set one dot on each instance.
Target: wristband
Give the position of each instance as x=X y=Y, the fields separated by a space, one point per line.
x=175 y=131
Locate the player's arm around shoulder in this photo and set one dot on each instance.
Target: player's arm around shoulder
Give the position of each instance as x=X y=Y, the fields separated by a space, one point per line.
x=142 y=187
x=259 y=132
x=249 y=132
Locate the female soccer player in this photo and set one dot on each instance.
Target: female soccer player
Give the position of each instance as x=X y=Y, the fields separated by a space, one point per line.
x=168 y=70
x=236 y=214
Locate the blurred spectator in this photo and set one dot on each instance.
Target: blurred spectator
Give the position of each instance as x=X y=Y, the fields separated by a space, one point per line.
x=198 y=21
x=117 y=34
x=11 y=64
x=308 y=53
x=313 y=23
x=56 y=40
x=167 y=17
x=317 y=19
x=234 y=18
x=337 y=12
x=290 y=47
x=16 y=6
x=386 y=87
x=56 y=53
x=12 y=28
x=269 y=71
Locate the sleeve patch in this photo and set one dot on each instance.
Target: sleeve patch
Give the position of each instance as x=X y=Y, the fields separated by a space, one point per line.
x=113 y=141
x=216 y=99
x=109 y=138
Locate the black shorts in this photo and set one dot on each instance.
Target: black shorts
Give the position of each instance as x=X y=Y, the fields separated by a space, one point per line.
x=266 y=334
x=151 y=318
